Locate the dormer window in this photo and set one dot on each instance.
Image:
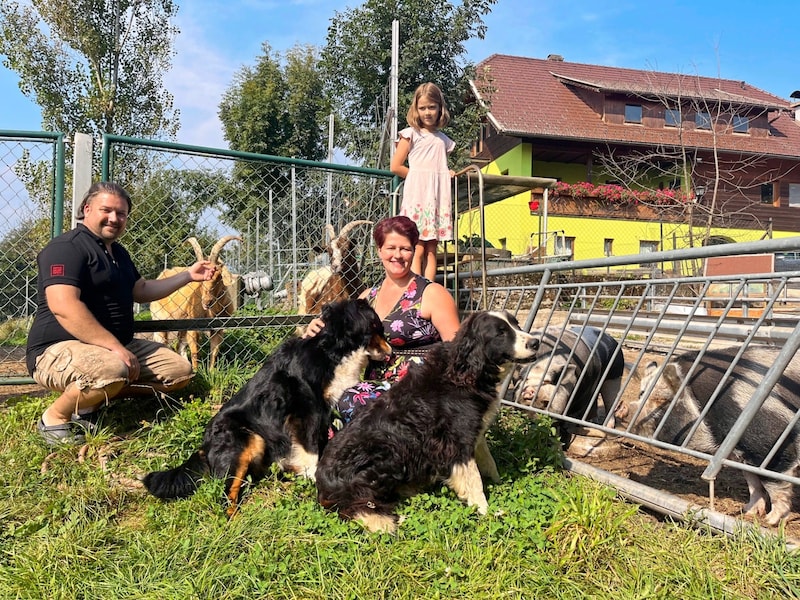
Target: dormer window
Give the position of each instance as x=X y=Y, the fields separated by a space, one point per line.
x=672 y=117
x=702 y=120
x=740 y=124
x=633 y=113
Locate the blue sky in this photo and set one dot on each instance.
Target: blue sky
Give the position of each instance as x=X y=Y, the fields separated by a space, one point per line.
x=733 y=39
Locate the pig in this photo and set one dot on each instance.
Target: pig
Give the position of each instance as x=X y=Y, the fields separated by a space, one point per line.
x=646 y=414
x=559 y=373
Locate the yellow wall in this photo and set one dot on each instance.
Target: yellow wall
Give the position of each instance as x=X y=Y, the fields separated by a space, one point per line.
x=510 y=224
x=509 y=219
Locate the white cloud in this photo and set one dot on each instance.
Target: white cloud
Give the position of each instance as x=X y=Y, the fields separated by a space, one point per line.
x=217 y=39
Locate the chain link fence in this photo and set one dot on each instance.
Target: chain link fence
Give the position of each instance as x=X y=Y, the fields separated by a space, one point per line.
x=31 y=183
x=283 y=232
x=268 y=221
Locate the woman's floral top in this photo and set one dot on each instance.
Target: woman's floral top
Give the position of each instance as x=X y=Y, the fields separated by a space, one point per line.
x=405 y=329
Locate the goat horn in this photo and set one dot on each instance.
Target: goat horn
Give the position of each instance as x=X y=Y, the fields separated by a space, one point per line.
x=351 y=225
x=331 y=233
x=218 y=246
x=198 y=251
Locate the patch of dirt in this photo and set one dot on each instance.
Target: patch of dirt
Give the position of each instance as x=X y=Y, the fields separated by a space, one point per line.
x=15 y=391
x=13 y=366
x=670 y=472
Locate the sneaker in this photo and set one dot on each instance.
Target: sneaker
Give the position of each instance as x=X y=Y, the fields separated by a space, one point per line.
x=63 y=433
x=89 y=422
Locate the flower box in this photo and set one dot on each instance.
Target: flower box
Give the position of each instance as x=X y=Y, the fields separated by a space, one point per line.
x=611 y=201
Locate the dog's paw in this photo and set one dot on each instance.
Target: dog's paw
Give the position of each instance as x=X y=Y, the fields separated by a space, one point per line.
x=480 y=504
x=309 y=472
x=377 y=523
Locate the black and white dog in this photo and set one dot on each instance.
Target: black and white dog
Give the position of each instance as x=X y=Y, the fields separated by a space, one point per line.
x=283 y=413
x=425 y=428
x=574 y=367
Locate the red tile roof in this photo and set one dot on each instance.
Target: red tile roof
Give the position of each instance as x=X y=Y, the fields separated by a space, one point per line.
x=537 y=98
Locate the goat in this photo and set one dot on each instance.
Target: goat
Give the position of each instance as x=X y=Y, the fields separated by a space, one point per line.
x=198 y=300
x=339 y=280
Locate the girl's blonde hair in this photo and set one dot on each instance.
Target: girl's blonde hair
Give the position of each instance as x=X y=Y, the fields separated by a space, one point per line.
x=432 y=91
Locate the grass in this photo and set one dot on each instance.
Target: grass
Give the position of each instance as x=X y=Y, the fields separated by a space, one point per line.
x=87 y=529
x=14 y=332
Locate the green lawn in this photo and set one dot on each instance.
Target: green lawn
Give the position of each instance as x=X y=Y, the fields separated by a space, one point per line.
x=85 y=528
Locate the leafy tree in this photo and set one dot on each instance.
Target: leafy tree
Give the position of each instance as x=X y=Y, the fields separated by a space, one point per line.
x=357 y=63
x=94 y=66
x=274 y=107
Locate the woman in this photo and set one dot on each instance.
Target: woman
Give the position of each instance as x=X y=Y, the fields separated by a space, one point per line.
x=415 y=312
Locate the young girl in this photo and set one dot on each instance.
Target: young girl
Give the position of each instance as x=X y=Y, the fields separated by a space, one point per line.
x=427 y=196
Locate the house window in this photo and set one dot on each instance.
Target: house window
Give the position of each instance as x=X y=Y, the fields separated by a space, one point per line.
x=702 y=120
x=564 y=247
x=740 y=124
x=672 y=117
x=794 y=194
x=608 y=249
x=633 y=113
x=647 y=247
x=767 y=193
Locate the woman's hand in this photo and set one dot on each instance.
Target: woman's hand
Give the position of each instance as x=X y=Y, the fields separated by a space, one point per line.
x=314 y=328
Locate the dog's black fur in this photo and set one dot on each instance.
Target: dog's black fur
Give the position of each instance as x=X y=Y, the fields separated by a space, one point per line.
x=425 y=428
x=283 y=413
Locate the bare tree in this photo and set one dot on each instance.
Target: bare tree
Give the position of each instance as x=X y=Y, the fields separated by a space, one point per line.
x=724 y=182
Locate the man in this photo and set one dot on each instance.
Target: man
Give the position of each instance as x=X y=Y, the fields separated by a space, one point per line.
x=81 y=342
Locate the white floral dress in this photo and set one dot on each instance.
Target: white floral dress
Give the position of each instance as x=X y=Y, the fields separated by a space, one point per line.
x=427 y=191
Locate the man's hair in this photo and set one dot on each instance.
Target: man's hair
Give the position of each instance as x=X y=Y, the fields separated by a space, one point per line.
x=107 y=187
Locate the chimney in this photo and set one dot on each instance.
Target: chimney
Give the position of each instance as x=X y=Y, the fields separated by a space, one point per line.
x=795 y=95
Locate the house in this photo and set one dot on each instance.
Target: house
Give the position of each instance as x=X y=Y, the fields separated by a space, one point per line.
x=645 y=160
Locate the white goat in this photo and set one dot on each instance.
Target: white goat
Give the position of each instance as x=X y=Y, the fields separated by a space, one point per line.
x=339 y=280
x=196 y=300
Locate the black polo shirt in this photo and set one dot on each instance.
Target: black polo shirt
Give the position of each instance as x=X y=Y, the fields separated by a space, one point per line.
x=79 y=258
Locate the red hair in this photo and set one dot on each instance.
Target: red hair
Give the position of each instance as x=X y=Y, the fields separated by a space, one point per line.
x=400 y=224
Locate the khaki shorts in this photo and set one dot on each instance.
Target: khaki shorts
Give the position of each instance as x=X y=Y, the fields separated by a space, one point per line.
x=93 y=367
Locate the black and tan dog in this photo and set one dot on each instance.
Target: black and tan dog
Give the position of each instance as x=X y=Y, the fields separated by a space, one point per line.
x=283 y=413
x=425 y=428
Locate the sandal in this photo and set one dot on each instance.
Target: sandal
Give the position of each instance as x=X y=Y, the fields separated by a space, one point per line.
x=63 y=433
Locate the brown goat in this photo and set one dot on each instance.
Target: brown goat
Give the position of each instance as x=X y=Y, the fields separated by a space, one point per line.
x=196 y=300
x=338 y=281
